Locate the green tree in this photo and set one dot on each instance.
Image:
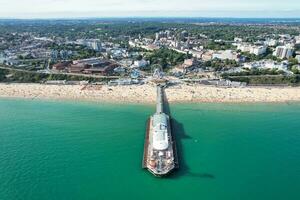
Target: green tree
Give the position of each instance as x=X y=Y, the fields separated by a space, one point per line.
x=295 y=69
x=293 y=61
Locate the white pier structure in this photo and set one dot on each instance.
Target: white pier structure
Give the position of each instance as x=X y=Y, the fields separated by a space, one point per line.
x=160 y=156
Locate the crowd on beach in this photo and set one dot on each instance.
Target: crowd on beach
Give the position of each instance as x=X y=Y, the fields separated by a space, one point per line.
x=147 y=93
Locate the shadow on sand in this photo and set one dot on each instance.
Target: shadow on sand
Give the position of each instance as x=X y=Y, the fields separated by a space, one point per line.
x=179 y=135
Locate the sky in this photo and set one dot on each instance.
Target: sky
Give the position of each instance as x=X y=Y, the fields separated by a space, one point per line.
x=148 y=8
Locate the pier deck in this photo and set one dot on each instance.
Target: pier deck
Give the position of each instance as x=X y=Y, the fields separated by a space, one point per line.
x=160 y=153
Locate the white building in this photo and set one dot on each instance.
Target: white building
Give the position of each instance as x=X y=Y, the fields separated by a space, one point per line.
x=160 y=132
x=91 y=43
x=265 y=64
x=140 y=64
x=162 y=34
x=271 y=42
x=196 y=54
x=244 y=47
x=227 y=54
x=95 y=45
x=132 y=43
x=117 y=53
x=238 y=39
x=257 y=50
x=284 y=51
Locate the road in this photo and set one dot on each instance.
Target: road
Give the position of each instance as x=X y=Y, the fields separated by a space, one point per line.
x=59 y=73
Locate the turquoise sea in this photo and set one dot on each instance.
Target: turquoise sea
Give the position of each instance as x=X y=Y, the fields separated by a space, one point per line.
x=74 y=151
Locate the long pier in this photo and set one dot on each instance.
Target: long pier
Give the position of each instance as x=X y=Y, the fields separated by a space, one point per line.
x=160 y=153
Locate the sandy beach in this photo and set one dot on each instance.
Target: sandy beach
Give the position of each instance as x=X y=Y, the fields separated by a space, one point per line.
x=147 y=93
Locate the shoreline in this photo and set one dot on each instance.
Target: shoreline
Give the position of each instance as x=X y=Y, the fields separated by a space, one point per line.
x=145 y=94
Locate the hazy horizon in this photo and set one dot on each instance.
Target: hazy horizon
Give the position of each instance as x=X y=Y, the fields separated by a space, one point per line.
x=148 y=8
x=140 y=17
